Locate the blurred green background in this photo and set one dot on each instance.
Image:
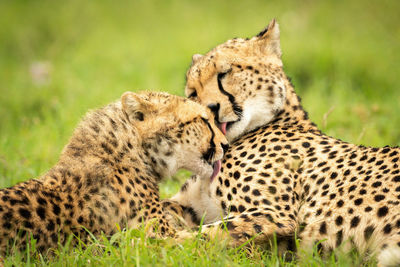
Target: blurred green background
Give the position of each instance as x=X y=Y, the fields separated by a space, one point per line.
x=60 y=58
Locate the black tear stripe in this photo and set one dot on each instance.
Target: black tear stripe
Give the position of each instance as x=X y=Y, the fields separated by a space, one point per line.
x=211 y=150
x=236 y=109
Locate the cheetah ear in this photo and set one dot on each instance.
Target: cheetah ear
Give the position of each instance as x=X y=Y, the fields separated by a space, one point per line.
x=136 y=106
x=269 y=39
x=196 y=58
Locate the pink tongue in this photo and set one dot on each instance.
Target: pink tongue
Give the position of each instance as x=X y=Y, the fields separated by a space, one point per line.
x=222 y=126
x=217 y=167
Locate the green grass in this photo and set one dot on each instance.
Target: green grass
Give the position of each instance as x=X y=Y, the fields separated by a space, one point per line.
x=342 y=56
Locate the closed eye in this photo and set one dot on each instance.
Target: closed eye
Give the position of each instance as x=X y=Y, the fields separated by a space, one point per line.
x=193 y=94
x=221 y=75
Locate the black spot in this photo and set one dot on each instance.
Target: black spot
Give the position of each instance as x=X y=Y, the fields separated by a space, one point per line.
x=339 y=220
x=383 y=211
x=41 y=201
x=387 y=229
x=28 y=224
x=7 y=225
x=354 y=222
x=358 y=201
x=24 y=213
x=368 y=232
x=233 y=208
x=285 y=197
x=322 y=228
x=376 y=184
x=230 y=225
x=266 y=201
x=241 y=208
x=334 y=175
x=50 y=226
x=257 y=228
x=368 y=209
x=351 y=210
x=306 y=144
x=41 y=213
x=184 y=186
x=339 y=238
x=218 y=192
x=272 y=189
x=269 y=218
x=396 y=179
x=248 y=179
x=352 y=188
x=106 y=148
x=379 y=198
x=257 y=161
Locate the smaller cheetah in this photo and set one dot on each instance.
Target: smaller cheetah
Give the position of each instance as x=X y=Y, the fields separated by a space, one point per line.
x=108 y=173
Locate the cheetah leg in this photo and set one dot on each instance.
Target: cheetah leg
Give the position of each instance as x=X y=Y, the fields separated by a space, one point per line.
x=258 y=225
x=178 y=215
x=169 y=220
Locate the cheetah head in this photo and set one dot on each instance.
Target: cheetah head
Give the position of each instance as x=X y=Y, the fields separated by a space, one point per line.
x=176 y=133
x=241 y=81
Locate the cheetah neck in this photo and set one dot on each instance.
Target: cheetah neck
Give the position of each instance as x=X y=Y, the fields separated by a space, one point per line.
x=160 y=156
x=293 y=112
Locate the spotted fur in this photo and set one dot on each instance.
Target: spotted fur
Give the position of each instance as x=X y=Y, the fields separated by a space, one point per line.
x=282 y=175
x=109 y=171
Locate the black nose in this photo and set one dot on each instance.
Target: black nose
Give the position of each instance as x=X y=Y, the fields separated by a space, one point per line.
x=214 y=108
x=225 y=147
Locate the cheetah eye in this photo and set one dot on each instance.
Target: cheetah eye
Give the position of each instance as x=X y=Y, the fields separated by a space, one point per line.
x=221 y=75
x=193 y=94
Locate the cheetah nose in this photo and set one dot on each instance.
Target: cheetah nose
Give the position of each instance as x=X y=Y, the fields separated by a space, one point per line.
x=214 y=108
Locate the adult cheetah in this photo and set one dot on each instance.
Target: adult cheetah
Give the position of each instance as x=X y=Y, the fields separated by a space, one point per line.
x=108 y=173
x=281 y=174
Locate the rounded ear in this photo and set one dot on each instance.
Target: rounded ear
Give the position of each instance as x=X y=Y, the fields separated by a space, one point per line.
x=196 y=58
x=269 y=39
x=135 y=105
